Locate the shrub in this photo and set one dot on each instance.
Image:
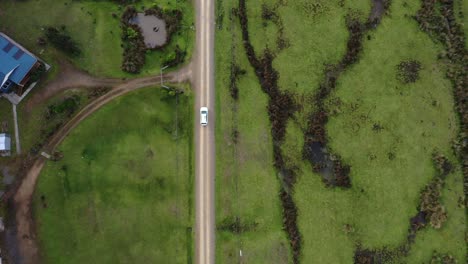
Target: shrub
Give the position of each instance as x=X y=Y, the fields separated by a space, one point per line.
x=175 y=58
x=133 y=43
x=438 y=258
x=67 y=107
x=408 y=71
x=62 y=41
x=431 y=205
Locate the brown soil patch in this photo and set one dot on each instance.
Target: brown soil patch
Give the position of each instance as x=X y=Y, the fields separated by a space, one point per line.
x=69 y=77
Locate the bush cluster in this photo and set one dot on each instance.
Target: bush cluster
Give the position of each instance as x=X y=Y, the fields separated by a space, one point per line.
x=62 y=41
x=437 y=18
x=439 y=258
x=235 y=225
x=66 y=107
x=431 y=205
x=366 y=256
x=97 y=92
x=431 y=208
x=442 y=164
x=175 y=58
x=236 y=73
x=121 y=2
x=408 y=71
x=133 y=43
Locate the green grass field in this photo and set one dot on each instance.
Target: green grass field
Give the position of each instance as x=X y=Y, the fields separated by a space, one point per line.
x=417 y=119
x=246 y=184
x=123 y=191
x=92 y=26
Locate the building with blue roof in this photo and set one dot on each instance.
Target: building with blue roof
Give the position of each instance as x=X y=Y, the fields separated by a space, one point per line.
x=16 y=64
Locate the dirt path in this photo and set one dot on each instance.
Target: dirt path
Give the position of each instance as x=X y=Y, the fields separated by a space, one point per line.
x=25 y=231
x=68 y=77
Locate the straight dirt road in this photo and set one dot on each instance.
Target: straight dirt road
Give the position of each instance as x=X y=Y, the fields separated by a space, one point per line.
x=204 y=136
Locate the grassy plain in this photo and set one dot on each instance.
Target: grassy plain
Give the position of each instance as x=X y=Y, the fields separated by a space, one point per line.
x=393 y=165
x=123 y=191
x=246 y=185
x=92 y=25
x=389 y=168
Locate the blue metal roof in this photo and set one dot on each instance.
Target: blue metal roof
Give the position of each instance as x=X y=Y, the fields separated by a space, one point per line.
x=11 y=56
x=5 y=88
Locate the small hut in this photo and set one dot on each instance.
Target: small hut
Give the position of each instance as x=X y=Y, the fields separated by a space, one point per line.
x=5 y=145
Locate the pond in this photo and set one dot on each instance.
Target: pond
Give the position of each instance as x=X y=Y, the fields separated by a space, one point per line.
x=153 y=29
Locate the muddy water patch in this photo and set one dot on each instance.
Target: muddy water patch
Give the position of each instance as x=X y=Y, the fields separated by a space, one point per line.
x=153 y=29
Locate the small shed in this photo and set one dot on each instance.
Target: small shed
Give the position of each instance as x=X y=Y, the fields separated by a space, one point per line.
x=5 y=145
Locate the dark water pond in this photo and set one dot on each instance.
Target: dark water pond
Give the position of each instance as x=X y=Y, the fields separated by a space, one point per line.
x=153 y=29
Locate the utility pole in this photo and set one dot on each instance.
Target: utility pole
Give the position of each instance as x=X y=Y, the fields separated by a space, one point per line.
x=162 y=83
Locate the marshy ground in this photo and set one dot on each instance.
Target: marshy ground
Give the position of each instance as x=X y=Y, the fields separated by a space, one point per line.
x=343 y=107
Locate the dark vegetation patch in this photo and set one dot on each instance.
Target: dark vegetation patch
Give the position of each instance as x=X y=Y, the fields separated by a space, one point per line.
x=55 y=116
x=437 y=18
x=236 y=73
x=280 y=108
x=366 y=256
x=65 y=107
x=235 y=225
x=314 y=9
x=134 y=46
x=97 y=92
x=61 y=40
x=332 y=169
x=442 y=164
x=133 y=43
x=430 y=206
x=61 y=111
x=271 y=14
x=439 y=258
x=219 y=14
x=121 y=2
x=408 y=71
x=57 y=155
x=175 y=58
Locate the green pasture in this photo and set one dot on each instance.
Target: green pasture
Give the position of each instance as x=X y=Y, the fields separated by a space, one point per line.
x=123 y=191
